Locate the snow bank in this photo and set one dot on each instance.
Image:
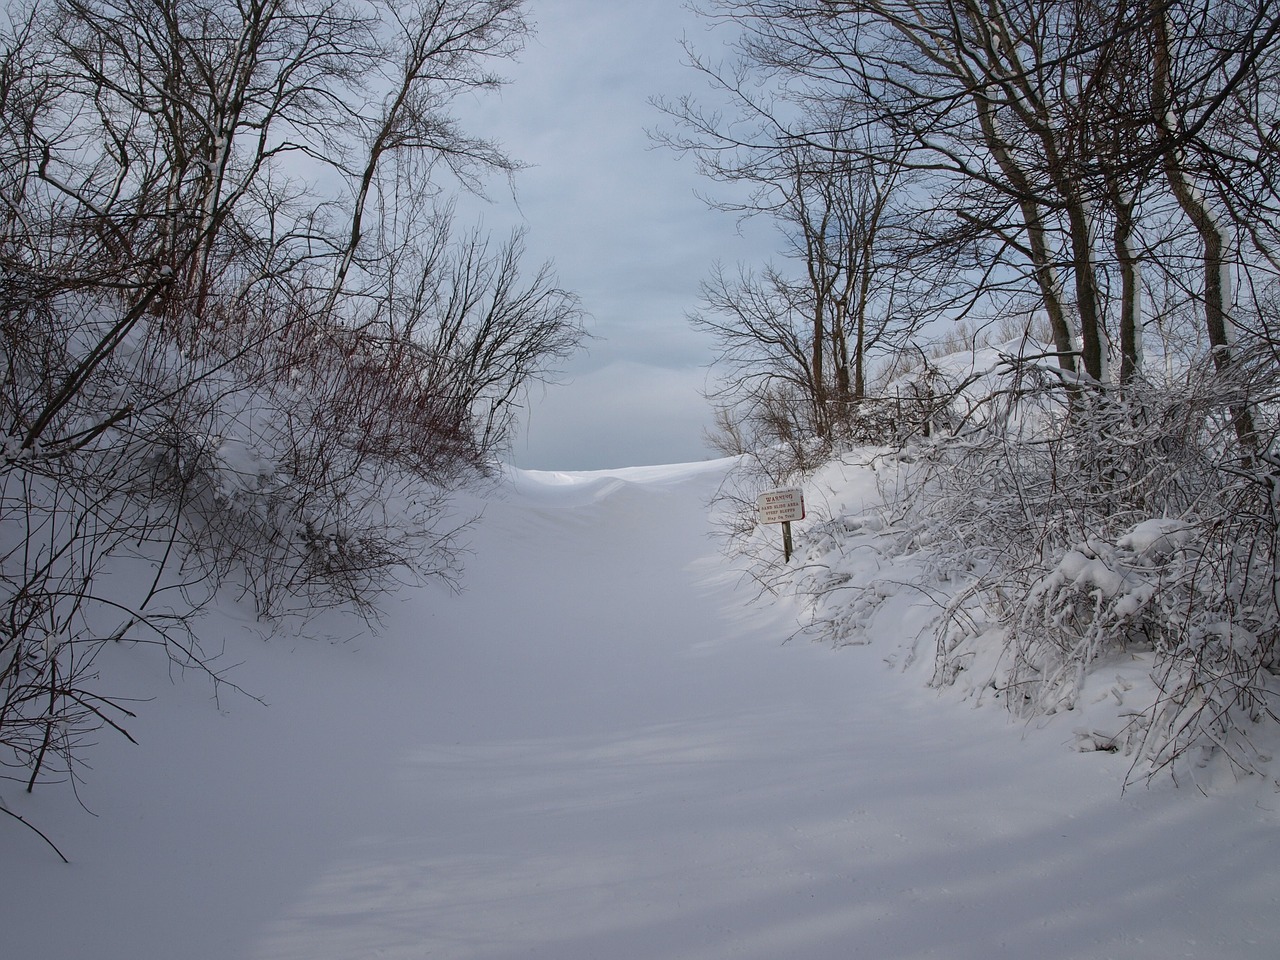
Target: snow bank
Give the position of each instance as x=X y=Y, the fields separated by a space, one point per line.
x=604 y=746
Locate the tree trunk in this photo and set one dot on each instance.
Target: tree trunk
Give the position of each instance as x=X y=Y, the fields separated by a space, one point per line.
x=1041 y=262
x=1130 y=286
x=1197 y=210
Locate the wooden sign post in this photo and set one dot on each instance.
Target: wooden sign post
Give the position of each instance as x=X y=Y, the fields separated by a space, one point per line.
x=782 y=506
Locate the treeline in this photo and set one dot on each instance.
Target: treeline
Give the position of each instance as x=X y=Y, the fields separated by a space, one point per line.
x=244 y=343
x=1103 y=175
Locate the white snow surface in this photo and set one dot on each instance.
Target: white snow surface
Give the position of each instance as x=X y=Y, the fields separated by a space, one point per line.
x=609 y=746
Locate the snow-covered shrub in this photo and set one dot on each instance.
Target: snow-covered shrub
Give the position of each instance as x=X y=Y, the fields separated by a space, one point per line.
x=913 y=405
x=1103 y=526
x=1104 y=555
x=312 y=473
x=182 y=465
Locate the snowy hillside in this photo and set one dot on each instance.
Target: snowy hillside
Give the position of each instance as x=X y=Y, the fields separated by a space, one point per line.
x=605 y=747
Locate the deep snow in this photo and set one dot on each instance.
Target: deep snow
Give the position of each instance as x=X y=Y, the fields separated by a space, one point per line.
x=606 y=747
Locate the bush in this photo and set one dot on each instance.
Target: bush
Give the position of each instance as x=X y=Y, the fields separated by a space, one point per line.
x=1105 y=524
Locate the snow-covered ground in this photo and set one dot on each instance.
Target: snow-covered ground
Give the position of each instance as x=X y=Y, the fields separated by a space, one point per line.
x=605 y=748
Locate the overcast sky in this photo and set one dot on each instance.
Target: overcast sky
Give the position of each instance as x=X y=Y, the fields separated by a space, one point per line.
x=622 y=222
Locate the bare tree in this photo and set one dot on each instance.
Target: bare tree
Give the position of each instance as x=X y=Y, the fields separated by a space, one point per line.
x=801 y=337
x=442 y=48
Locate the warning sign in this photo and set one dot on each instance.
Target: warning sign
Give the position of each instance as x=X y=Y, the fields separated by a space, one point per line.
x=781 y=506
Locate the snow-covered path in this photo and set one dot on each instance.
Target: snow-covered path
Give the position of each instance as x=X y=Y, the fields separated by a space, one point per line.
x=603 y=749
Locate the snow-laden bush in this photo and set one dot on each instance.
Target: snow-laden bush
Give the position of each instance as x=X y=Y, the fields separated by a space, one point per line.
x=1108 y=556
x=311 y=469
x=1101 y=525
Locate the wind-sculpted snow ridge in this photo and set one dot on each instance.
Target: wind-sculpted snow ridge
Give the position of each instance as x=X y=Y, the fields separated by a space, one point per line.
x=576 y=487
